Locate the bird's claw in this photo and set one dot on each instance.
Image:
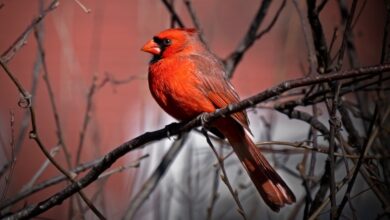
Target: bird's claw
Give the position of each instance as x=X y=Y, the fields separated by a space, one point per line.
x=218 y=110
x=170 y=128
x=203 y=119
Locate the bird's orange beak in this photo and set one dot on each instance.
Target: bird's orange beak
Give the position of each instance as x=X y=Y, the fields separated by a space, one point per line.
x=151 y=47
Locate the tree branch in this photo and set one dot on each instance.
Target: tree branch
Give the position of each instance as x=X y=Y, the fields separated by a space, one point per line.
x=21 y=40
x=248 y=40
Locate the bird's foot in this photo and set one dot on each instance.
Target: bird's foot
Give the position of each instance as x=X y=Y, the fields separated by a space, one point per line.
x=172 y=128
x=203 y=119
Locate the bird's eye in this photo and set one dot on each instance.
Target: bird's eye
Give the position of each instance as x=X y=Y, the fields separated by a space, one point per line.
x=166 y=42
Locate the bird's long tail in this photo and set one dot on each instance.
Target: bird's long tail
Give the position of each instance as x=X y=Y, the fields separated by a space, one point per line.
x=269 y=184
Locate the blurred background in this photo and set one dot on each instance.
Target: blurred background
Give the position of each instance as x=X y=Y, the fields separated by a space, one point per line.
x=98 y=77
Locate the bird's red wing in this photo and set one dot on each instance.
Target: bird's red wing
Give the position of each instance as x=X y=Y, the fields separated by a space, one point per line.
x=221 y=100
x=216 y=87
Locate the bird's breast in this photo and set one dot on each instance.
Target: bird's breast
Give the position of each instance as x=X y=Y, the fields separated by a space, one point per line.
x=176 y=87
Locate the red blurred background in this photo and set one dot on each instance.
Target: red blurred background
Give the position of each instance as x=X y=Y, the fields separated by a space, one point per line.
x=107 y=41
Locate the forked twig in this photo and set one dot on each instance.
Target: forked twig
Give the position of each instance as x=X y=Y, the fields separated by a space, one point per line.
x=225 y=179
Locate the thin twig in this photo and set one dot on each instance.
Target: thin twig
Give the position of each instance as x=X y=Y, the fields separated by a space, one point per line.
x=8 y=177
x=152 y=182
x=385 y=53
x=225 y=179
x=303 y=116
x=318 y=37
x=318 y=208
x=347 y=35
x=333 y=40
x=21 y=40
x=55 y=180
x=334 y=127
x=52 y=99
x=273 y=21
x=24 y=125
x=214 y=191
x=111 y=79
x=82 y=6
x=87 y=118
x=306 y=34
x=41 y=170
x=43 y=185
x=303 y=146
x=194 y=18
x=134 y=164
x=321 y=6
x=247 y=41
x=315 y=145
x=360 y=12
x=173 y=13
x=301 y=167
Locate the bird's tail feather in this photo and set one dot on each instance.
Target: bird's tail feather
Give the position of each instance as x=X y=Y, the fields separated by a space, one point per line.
x=269 y=184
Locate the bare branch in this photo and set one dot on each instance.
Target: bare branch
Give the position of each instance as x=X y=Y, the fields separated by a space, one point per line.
x=318 y=37
x=111 y=79
x=308 y=39
x=21 y=40
x=347 y=35
x=334 y=127
x=42 y=169
x=52 y=99
x=193 y=15
x=82 y=6
x=272 y=23
x=8 y=177
x=86 y=119
x=173 y=13
x=250 y=37
x=214 y=192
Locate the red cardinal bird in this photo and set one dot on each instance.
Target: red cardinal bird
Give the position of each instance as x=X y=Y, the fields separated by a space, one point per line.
x=186 y=79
